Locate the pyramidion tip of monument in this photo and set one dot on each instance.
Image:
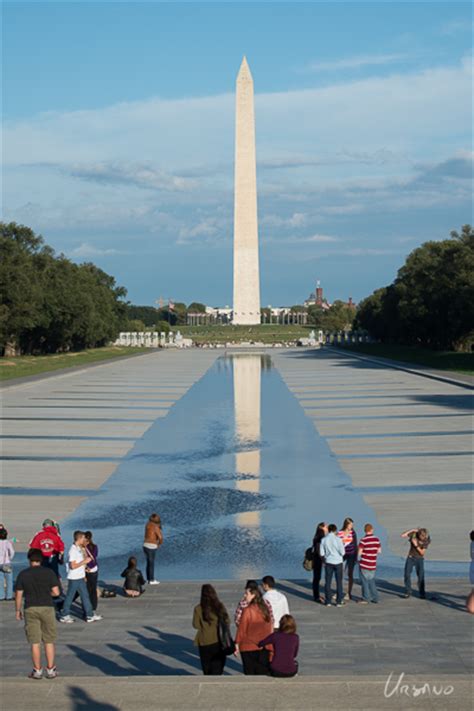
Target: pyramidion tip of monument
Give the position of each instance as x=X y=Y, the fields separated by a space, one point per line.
x=244 y=71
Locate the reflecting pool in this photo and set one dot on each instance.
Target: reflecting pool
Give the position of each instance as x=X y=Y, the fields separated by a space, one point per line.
x=239 y=476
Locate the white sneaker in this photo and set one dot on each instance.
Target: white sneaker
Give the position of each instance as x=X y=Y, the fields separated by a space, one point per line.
x=68 y=620
x=154 y=582
x=94 y=618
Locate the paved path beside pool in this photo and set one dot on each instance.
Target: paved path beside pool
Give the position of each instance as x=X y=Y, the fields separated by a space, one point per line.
x=346 y=654
x=64 y=436
x=405 y=440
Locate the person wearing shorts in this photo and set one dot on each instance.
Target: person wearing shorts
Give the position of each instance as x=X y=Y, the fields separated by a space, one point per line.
x=36 y=586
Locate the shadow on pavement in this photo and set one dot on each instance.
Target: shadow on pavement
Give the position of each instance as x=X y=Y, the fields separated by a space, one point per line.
x=176 y=647
x=81 y=700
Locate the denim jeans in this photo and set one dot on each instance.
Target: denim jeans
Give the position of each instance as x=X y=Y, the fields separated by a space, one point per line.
x=369 y=588
x=150 y=554
x=8 y=580
x=337 y=571
x=80 y=587
x=419 y=565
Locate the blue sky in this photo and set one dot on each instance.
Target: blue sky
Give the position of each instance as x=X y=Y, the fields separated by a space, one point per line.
x=118 y=131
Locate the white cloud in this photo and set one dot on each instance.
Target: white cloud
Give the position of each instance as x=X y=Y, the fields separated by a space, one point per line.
x=400 y=112
x=297 y=219
x=88 y=250
x=455 y=27
x=367 y=60
x=322 y=238
x=142 y=175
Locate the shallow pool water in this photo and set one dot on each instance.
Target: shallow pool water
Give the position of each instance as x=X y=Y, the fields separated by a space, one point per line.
x=239 y=476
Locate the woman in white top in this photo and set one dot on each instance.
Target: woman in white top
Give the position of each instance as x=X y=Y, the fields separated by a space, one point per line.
x=7 y=553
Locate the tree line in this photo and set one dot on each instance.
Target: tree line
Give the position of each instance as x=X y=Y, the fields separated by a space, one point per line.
x=49 y=304
x=431 y=301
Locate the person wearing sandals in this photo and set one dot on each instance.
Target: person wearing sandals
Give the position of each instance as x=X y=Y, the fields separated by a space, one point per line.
x=206 y=621
x=134 y=580
x=7 y=553
x=349 y=538
x=36 y=587
x=153 y=540
x=318 y=560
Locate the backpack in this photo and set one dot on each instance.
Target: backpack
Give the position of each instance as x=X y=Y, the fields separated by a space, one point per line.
x=308 y=559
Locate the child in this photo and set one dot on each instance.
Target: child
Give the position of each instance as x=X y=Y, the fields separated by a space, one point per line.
x=285 y=643
x=134 y=580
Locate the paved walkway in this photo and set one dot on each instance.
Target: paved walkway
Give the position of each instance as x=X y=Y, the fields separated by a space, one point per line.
x=405 y=441
x=345 y=653
x=63 y=436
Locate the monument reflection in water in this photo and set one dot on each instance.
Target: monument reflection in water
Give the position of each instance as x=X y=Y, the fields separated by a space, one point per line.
x=247 y=371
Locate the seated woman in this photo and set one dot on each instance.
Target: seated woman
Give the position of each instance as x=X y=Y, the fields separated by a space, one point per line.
x=134 y=580
x=285 y=643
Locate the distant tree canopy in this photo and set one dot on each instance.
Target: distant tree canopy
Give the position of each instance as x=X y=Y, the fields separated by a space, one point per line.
x=197 y=307
x=431 y=302
x=146 y=314
x=48 y=303
x=338 y=317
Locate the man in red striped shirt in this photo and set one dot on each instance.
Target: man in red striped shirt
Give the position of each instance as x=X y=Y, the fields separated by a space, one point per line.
x=369 y=548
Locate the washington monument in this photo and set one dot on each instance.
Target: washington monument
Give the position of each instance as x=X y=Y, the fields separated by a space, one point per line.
x=246 y=269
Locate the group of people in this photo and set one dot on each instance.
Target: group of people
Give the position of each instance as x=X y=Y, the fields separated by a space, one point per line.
x=39 y=595
x=334 y=549
x=265 y=637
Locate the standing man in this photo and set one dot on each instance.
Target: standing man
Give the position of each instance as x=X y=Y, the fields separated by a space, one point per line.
x=50 y=543
x=277 y=600
x=77 y=560
x=419 y=541
x=36 y=586
x=369 y=548
x=332 y=550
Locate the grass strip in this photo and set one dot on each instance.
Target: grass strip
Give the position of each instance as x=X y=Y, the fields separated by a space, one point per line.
x=22 y=366
x=438 y=360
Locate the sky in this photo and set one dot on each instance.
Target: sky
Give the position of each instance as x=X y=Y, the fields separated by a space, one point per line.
x=118 y=138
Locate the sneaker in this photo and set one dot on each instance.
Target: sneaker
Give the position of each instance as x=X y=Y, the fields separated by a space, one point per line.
x=346 y=596
x=328 y=604
x=51 y=673
x=375 y=602
x=340 y=604
x=94 y=618
x=36 y=674
x=407 y=595
x=67 y=620
x=362 y=602
x=153 y=582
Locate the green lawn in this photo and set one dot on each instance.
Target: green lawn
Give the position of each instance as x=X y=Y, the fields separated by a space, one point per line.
x=32 y=365
x=439 y=360
x=222 y=334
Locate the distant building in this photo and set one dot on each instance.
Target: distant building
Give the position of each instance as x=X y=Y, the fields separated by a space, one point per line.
x=316 y=298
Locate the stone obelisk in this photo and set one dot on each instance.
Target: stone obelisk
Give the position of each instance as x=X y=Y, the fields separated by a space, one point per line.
x=246 y=268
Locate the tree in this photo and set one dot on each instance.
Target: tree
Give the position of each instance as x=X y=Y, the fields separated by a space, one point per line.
x=147 y=314
x=196 y=307
x=431 y=302
x=50 y=304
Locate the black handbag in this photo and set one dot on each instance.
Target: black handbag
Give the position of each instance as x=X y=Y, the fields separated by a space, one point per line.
x=225 y=637
x=308 y=559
